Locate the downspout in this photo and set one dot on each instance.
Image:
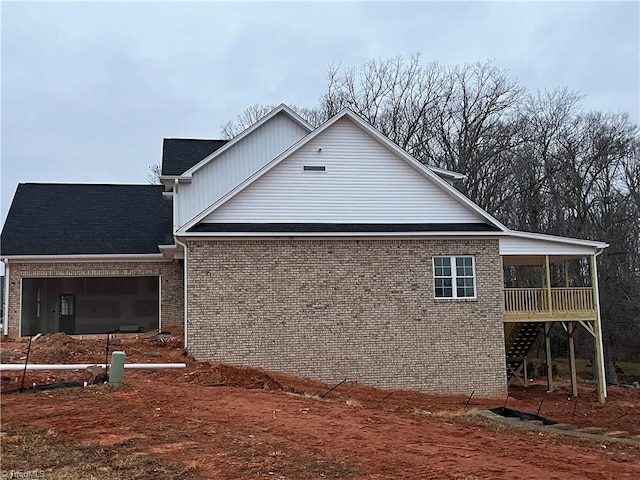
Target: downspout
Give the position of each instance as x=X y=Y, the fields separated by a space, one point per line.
x=597 y=296
x=173 y=200
x=184 y=248
x=185 y=304
x=5 y=312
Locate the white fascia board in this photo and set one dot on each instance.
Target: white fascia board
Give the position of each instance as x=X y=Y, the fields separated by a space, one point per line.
x=557 y=239
x=282 y=108
x=448 y=173
x=440 y=235
x=375 y=134
x=147 y=257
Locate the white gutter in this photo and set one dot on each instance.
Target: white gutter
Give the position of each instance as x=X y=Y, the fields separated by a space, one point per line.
x=178 y=242
x=84 y=366
x=5 y=312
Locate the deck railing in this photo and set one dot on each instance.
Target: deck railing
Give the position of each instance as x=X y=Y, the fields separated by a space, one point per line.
x=536 y=300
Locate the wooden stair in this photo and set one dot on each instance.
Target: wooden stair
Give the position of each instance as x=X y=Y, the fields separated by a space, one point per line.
x=517 y=346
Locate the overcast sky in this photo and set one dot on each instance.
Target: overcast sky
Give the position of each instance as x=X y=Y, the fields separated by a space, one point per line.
x=90 y=89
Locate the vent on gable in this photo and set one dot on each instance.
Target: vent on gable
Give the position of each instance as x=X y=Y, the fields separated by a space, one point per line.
x=314 y=168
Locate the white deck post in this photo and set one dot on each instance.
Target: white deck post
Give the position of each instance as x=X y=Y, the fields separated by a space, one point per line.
x=597 y=331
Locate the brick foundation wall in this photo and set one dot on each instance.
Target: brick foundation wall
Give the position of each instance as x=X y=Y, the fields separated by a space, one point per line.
x=358 y=309
x=171 y=273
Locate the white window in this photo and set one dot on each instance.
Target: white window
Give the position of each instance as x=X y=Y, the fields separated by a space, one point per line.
x=454 y=277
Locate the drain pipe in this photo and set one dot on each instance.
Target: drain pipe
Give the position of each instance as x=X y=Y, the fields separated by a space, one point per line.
x=8 y=367
x=184 y=247
x=5 y=299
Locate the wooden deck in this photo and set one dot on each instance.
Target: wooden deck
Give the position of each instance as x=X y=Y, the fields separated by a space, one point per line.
x=550 y=304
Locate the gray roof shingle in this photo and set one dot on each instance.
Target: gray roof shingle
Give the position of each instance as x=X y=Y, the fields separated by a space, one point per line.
x=180 y=154
x=67 y=219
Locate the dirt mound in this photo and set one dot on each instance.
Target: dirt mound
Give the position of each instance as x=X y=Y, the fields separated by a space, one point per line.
x=61 y=348
x=57 y=340
x=230 y=376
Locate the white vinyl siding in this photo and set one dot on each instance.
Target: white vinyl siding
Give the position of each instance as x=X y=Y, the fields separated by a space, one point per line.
x=454 y=277
x=363 y=182
x=232 y=167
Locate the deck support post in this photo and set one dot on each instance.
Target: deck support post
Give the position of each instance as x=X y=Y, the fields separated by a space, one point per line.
x=597 y=333
x=547 y=325
x=547 y=348
x=571 y=328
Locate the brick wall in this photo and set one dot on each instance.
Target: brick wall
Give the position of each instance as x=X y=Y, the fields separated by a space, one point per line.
x=172 y=301
x=358 y=309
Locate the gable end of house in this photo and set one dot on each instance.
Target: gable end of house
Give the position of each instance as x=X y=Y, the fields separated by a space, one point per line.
x=343 y=174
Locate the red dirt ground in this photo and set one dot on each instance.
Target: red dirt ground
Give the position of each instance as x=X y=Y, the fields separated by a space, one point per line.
x=247 y=423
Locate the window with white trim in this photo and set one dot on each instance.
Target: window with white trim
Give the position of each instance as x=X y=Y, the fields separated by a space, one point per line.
x=454 y=277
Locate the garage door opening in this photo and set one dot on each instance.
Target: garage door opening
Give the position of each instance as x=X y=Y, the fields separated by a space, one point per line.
x=88 y=305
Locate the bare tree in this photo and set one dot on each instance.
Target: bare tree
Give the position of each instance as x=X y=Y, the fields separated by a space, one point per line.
x=254 y=113
x=457 y=118
x=397 y=98
x=244 y=120
x=474 y=131
x=153 y=176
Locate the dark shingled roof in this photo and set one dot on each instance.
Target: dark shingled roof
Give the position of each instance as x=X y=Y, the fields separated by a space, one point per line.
x=180 y=154
x=67 y=219
x=342 y=227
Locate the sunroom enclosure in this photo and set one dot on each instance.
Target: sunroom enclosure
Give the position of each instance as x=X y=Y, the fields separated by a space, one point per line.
x=547 y=282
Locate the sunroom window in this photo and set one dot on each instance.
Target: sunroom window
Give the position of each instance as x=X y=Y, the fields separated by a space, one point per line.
x=454 y=277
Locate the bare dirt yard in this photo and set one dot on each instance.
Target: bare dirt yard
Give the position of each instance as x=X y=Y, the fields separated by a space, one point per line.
x=222 y=422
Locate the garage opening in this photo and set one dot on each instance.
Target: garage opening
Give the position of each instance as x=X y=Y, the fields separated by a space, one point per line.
x=88 y=305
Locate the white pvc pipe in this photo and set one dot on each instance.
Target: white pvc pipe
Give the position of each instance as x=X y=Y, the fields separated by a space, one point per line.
x=84 y=366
